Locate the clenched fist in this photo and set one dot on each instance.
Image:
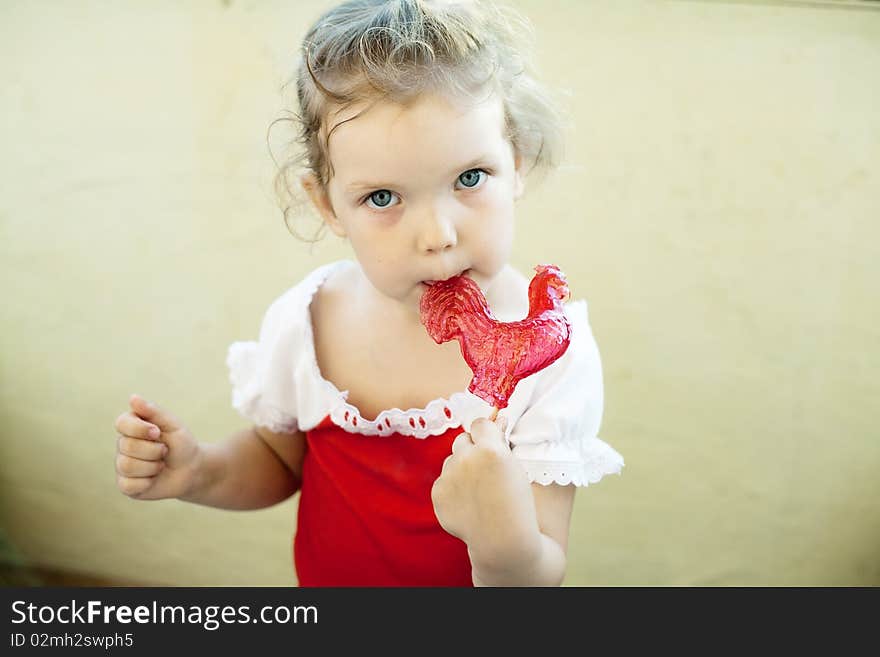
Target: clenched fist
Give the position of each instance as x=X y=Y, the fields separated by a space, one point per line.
x=156 y=456
x=483 y=496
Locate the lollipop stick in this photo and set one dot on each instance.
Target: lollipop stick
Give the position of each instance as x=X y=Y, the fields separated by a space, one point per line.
x=494 y=414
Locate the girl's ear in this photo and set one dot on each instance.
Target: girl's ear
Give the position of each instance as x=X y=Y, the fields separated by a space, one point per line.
x=319 y=197
x=519 y=184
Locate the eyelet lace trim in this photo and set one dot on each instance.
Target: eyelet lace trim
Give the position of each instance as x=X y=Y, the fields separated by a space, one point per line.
x=436 y=418
x=603 y=460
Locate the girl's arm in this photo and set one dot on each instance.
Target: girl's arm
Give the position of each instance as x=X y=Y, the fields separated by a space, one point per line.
x=542 y=561
x=252 y=469
x=158 y=457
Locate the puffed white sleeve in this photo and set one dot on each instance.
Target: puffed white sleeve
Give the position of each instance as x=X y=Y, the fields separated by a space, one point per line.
x=556 y=437
x=261 y=371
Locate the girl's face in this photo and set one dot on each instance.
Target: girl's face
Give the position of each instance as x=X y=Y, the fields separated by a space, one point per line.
x=423 y=192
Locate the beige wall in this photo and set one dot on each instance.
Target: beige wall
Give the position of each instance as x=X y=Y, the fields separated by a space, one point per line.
x=718 y=208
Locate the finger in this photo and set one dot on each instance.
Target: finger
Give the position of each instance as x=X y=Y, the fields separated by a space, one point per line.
x=486 y=434
x=435 y=492
x=133 y=487
x=131 y=467
x=461 y=443
x=129 y=424
x=145 y=450
x=152 y=413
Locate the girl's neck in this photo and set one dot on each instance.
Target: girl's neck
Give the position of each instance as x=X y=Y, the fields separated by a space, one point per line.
x=387 y=315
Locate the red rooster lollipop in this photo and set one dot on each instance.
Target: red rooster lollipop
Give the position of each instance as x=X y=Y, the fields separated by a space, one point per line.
x=499 y=354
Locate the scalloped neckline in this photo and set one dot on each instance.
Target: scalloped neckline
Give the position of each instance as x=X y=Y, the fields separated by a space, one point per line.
x=320 y=277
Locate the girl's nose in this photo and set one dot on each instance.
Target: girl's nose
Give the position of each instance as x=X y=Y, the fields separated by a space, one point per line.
x=436 y=232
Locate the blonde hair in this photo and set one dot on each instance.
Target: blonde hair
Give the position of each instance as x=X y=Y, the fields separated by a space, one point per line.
x=395 y=50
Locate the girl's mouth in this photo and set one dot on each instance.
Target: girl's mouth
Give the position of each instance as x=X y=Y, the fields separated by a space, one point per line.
x=466 y=273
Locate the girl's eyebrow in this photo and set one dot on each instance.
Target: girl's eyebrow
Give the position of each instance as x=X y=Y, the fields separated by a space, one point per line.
x=358 y=186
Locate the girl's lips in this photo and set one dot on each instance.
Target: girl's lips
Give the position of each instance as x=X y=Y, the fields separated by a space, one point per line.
x=466 y=272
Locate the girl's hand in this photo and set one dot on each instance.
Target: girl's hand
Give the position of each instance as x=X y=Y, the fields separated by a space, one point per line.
x=156 y=456
x=483 y=497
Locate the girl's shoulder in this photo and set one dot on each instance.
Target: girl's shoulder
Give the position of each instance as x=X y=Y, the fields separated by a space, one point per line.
x=275 y=378
x=333 y=288
x=290 y=310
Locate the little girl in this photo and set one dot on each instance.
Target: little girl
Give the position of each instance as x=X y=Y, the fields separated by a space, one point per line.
x=419 y=122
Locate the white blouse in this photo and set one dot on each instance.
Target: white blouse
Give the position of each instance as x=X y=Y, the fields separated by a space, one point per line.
x=553 y=416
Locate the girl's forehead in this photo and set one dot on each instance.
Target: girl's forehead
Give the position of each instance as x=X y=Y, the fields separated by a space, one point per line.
x=432 y=128
x=385 y=119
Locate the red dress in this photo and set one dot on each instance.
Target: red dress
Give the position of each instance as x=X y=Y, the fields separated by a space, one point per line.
x=366 y=516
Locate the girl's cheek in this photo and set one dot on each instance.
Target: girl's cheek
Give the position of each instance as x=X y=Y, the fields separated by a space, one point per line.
x=377 y=220
x=368 y=218
x=498 y=210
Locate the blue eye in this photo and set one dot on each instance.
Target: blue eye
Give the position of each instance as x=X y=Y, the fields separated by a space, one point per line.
x=382 y=198
x=472 y=178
